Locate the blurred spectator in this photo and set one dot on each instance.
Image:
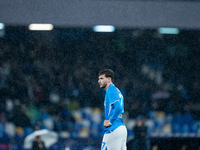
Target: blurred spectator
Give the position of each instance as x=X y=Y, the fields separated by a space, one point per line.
x=39 y=95
x=184 y=147
x=33 y=113
x=155 y=147
x=3 y=118
x=38 y=144
x=140 y=133
x=20 y=118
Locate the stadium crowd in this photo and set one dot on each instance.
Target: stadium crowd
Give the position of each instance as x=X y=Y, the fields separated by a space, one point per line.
x=56 y=86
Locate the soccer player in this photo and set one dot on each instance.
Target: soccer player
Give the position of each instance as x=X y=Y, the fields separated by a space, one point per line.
x=115 y=133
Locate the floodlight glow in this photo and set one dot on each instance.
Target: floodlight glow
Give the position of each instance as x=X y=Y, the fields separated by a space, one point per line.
x=1 y=26
x=168 y=30
x=41 y=27
x=104 y=28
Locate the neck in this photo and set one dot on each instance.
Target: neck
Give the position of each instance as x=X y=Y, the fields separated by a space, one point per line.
x=107 y=86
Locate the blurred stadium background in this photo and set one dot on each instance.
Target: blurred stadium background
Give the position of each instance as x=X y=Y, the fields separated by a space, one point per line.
x=49 y=78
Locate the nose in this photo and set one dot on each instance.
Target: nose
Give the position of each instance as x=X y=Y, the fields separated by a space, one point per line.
x=98 y=81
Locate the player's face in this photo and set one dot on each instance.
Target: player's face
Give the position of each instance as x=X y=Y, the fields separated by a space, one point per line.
x=103 y=81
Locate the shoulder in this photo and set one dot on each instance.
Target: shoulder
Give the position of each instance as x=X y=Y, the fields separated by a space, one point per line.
x=112 y=87
x=113 y=91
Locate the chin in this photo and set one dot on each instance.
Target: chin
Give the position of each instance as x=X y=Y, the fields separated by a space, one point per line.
x=103 y=87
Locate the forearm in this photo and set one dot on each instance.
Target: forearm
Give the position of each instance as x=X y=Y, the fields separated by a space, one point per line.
x=117 y=111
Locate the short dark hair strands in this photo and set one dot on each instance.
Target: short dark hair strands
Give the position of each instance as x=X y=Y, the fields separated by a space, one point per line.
x=107 y=73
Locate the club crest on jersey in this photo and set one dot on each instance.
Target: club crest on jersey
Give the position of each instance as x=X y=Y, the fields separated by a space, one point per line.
x=120 y=116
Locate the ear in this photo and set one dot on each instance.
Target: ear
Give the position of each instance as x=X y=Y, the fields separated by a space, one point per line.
x=109 y=79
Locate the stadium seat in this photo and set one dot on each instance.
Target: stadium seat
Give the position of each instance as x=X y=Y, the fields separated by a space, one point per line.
x=176 y=128
x=1 y=130
x=10 y=129
x=27 y=131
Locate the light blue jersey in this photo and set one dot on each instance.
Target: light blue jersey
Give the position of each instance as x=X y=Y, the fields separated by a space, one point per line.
x=114 y=108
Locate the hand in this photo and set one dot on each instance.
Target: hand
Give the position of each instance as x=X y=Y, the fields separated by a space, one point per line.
x=40 y=145
x=106 y=123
